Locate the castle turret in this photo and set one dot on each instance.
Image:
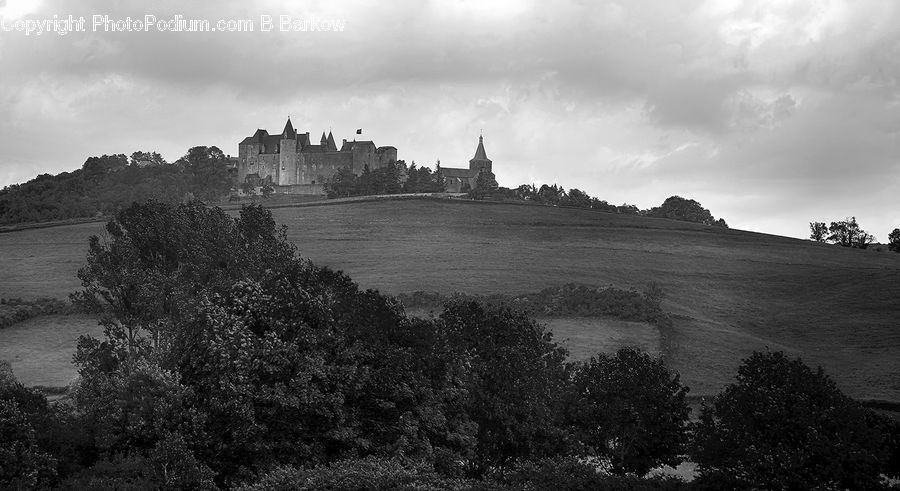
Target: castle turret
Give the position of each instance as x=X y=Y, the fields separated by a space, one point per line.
x=323 y=141
x=480 y=160
x=288 y=133
x=286 y=170
x=332 y=147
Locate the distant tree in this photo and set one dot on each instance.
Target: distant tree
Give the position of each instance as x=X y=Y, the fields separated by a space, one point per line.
x=342 y=184
x=152 y=157
x=525 y=192
x=785 y=426
x=485 y=185
x=818 y=231
x=894 y=240
x=602 y=205
x=440 y=182
x=576 y=198
x=627 y=209
x=629 y=408
x=550 y=195
x=847 y=233
x=208 y=168
x=688 y=210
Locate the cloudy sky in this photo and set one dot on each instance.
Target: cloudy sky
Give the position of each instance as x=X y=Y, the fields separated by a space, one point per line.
x=771 y=114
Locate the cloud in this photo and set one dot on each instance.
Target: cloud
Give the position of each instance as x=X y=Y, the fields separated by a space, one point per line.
x=777 y=104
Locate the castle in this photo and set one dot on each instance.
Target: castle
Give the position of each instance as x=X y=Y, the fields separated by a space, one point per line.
x=293 y=165
x=290 y=162
x=461 y=180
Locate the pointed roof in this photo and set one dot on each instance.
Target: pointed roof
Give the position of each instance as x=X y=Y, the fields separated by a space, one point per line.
x=479 y=152
x=480 y=155
x=324 y=140
x=289 y=130
x=332 y=147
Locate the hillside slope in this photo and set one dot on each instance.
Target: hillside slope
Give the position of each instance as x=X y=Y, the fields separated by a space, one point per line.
x=731 y=291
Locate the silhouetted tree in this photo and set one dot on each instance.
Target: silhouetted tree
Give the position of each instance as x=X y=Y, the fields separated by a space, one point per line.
x=847 y=233
x=894 y=240
x=818 y=231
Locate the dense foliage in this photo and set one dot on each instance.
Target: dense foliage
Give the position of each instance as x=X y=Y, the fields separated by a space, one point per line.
x=112 y=182
x=393 y=178
x=228 y=360
x=397 y=178
x=782 y=425
x=569 y=300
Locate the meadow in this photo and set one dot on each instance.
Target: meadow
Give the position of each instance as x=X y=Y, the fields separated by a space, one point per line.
x=730 y=292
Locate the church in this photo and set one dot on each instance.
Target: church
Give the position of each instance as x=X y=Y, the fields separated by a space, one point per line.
x=460 y=180
x=294 y=165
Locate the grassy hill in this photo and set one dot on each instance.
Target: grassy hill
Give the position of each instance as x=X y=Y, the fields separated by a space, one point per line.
x=731 y=291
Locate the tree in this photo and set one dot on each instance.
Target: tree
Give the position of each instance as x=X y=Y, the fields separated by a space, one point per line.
x=209 y=171
x=218 y=335
x=342 y=184
x=630 y=409
x=782 y=425
x=688 y=210
x=153 y=158
x=847 y=233
x=894 y=240
x=818 y=231
x=516 y=382
x=485 y=185
x=440 y=182
x=576 y=198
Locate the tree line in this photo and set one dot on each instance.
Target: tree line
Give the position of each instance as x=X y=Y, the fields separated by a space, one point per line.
x=229 y=361
x=398 y=178
x=848 y=233
x=109 y=183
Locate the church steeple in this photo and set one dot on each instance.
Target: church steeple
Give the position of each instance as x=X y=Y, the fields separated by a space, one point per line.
x=479 y=152
x=480 y=160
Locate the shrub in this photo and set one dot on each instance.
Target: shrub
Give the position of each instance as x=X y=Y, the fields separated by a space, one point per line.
x=569 y=474
x=14 y=310
x=363 y=474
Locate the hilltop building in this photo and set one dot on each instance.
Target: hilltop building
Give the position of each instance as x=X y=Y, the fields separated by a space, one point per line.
x=461 y=180
x=294 y=165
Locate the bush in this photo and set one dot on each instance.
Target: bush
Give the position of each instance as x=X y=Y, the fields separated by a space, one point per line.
x=570 y=300
x=568 y=474
x=363 y=474
x=14 y=310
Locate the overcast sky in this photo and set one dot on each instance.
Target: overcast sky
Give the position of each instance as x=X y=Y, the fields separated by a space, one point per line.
x=770 y=114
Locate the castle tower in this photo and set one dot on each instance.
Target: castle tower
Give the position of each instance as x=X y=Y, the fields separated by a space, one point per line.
x=332 y=147
x=480 y=160
x=286 y=171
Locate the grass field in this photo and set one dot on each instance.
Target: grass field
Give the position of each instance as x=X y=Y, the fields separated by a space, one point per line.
x=40 y=350
x=731 y=291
